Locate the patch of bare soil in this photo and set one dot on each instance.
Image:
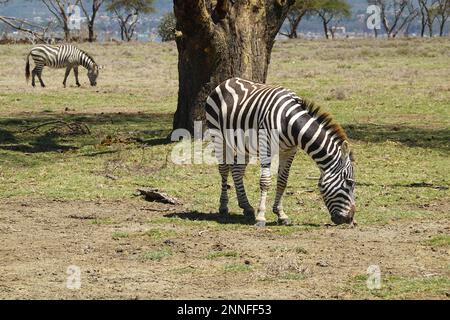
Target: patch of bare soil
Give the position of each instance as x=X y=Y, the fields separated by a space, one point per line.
x=120 y=258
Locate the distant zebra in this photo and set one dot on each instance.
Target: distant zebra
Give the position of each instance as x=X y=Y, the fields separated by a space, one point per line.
x=241 y=104
x=63 y=56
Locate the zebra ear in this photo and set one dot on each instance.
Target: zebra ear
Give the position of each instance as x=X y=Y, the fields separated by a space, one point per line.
x=345 y=148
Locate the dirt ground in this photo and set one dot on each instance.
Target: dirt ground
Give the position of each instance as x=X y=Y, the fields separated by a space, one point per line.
x=108 y=241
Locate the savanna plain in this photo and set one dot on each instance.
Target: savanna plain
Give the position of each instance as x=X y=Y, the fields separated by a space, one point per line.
x=71 y=160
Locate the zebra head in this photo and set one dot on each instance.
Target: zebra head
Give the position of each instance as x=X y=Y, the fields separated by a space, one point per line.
x=93 y=74
x=337 y=188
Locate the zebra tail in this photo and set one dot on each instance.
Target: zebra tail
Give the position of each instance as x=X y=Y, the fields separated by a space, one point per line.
x=27 y=68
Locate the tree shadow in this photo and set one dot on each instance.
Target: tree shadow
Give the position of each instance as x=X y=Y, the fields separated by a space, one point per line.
x=7 y=137
x=406 y=135
x=18 y=133
x=153 y=129
x=44 y=143
x=89 y=118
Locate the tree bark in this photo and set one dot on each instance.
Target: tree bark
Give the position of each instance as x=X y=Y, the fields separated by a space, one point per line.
x=232 y=38
x=66 y=32
x=441 y=28
x=91 y=37
x=325 y=28
x=293 y=25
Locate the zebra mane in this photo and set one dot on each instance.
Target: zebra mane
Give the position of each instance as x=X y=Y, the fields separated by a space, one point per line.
x=325 y=119
x=88 y=55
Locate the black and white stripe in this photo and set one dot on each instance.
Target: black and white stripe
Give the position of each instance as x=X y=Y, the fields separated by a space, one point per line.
x=239 y=104
x=63 y=56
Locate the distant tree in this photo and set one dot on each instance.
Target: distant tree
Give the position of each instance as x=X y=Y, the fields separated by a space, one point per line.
x=300 y=9
x=396 y=14
x=91 y=14
x=332 y=9
x=127 y=13
x=166 y=28
x=443 y=14
x=36 y=33
x=58 y=8
x=428 y=12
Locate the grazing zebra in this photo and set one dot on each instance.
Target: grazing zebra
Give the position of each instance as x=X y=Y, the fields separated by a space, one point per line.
x=63 y=56
x=239 y=104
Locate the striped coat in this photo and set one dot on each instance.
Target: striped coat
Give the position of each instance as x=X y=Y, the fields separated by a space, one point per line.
x=62 y=56
x=280 y=116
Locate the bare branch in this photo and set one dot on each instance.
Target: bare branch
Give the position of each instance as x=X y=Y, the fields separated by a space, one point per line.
x=27 y=27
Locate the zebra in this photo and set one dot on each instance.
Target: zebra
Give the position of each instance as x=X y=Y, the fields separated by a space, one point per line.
x=239 y=104
x=63 y=56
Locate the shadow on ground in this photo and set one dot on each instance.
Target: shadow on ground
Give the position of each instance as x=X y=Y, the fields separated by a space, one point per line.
x=44 y=143
x=226 y=219
x=216 y=217
x=408 y=136
x=12 y=137
x=28 y=133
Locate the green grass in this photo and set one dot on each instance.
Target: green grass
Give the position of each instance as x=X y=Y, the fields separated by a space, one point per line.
x=236 y=267
x=220 y=254
x=393 y=287
x=120 y=235
x=388 y=124
x=157 y=234
x=291 y=276
x=157 y=255
x=439 y=241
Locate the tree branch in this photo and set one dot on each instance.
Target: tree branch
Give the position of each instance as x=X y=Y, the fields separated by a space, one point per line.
x=24 y=26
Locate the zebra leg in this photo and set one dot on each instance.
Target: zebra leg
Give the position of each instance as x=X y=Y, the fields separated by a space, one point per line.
x=66 y=75
x=264 y=184
x=75 y=72
x=39 y=75
x=238 y=172
x=224 y=169
x=286 y=159
x=33 y=76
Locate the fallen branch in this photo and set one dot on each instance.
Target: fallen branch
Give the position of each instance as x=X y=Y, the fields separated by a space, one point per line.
x=27 y=27
x=74 y=127
x=152 y=194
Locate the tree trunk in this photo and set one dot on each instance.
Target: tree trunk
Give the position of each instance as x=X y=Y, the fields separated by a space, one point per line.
x=325 y=28
x=91 y=32
x=293 y=31
x=430 y=26
x=294 y=25
x=122 y=33
x=234 y=38
x=66 y=31
x=423 y=26
x=442 y=27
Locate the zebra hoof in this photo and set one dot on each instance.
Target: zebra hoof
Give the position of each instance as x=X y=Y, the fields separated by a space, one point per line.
x=260 y=224
x=249 y=213
x=285 y=222
x=223 y=211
